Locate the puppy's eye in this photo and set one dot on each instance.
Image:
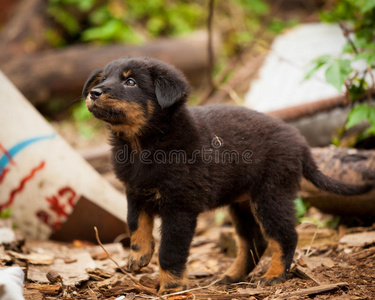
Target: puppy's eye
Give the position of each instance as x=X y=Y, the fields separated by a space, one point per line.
x=130 y=82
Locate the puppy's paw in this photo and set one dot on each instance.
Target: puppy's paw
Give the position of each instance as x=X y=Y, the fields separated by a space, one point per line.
x=270 y=281
x=140 y=256
x=170 y=283
x=137 y=263
x=172 y=288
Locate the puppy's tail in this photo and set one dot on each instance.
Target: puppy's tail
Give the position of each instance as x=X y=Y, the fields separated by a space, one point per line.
x=311 y=173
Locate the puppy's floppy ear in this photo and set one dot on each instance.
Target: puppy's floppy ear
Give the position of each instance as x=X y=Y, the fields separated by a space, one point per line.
x=170 y=84
x=93 y=80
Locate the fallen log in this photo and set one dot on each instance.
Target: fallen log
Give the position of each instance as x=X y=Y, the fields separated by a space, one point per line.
x=351 y=166
x=44 y=75
x=308 y=109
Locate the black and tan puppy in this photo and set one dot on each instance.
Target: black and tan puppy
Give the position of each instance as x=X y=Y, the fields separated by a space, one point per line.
x=177 y=162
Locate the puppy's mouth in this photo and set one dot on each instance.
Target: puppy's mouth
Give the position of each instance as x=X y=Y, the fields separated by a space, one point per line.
x=106 y=114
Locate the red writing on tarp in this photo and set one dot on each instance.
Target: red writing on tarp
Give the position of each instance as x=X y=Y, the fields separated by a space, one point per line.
x=21 y=186
x=58 y=204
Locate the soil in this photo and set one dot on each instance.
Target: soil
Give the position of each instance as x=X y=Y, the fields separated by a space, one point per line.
x=340 y=268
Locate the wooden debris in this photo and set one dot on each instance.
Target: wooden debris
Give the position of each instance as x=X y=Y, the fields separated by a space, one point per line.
x=96 y=277
x=124 y=289
x=81 y=244
x=181 y=297
x=113 y=249
x=305 y=273
x=100 y=256
x=92 y=295
x=99 y=273
x=322 y=236
x=364 y=253
x=314 y=262
x=305 y=265
x=47 y=289
x=230 y=296
x=33 y=258
x=4 y=257
x=301 y=262
x=251 y=292
x=72 y=273
x=149 y=282
x=361 y=239
x=359 y=229
x=33 y=294
x=69 y=260
x=314 y=290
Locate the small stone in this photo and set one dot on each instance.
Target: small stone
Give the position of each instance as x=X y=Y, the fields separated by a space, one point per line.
x=53 y=277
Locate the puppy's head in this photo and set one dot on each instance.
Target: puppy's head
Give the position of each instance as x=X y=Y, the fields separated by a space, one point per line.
x=128 y=91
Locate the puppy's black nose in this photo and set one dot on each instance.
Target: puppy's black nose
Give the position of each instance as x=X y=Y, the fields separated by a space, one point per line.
x=95 y=93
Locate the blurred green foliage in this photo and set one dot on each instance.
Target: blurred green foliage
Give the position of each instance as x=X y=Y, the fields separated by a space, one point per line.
x=300 y=207
x=128 y=21
x=357 y=19
x=5 y=213
x=134 y=21
x=82 y=117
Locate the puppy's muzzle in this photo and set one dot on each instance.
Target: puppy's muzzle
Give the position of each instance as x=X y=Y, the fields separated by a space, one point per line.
x=95 y=93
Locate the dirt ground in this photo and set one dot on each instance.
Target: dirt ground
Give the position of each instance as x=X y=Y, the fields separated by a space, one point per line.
x=329 y=264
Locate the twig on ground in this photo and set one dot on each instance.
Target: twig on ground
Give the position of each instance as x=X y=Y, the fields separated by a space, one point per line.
x=255 y=263
x=256 y=250
x=312 y=240
x=193 y=289
x=313 y=290
x=130 y=276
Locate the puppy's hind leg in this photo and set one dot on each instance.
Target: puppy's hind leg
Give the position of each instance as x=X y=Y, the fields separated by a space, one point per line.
x=251 y=243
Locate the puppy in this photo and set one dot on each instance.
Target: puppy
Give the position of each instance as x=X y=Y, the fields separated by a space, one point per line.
x=177 y=162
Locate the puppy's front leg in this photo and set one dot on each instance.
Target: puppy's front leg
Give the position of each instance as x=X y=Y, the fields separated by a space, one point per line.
x=176 y=234
x=142 y=242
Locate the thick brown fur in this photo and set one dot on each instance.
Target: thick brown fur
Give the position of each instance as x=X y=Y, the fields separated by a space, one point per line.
x=177 y=162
